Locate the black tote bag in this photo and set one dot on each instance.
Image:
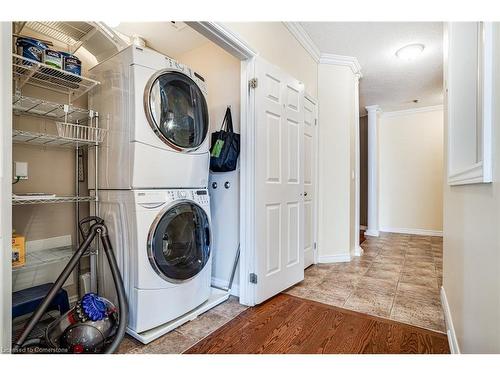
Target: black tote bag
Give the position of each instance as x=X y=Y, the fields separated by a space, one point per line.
x=225 y=147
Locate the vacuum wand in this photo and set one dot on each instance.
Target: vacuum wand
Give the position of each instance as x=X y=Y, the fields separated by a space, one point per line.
x=98 y=228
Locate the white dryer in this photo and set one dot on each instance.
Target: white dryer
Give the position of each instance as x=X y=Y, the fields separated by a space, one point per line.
x=155 y=110
x=162 y=240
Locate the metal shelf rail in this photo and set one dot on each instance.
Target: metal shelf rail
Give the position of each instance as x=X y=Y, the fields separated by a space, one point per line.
x=42 y=139
x=26 y=71
x=45 y=257
x=61 y=199
x=29 y=106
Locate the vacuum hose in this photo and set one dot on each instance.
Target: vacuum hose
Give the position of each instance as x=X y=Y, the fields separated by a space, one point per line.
x=98 y=228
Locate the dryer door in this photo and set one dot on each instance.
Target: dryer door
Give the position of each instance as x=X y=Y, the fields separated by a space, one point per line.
x=176 y=110
x=179 y=241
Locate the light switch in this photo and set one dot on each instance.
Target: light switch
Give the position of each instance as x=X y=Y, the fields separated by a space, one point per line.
x=20 y=170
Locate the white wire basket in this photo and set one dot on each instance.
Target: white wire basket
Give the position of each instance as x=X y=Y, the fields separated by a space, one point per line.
x=80 y=133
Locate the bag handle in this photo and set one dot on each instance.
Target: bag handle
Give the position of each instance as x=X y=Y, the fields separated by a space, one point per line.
x=227 y=121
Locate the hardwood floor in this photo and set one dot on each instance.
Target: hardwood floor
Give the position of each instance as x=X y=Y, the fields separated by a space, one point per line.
x=288 y=324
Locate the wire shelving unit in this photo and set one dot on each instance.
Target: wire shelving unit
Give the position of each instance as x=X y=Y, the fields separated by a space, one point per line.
x=26 y=71
x=74 y=127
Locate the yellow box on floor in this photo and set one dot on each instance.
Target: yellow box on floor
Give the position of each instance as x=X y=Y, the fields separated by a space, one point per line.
x=18 y=250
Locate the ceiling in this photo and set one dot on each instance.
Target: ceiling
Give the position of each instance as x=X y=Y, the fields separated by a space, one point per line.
x=170 y=38
x=388 y=81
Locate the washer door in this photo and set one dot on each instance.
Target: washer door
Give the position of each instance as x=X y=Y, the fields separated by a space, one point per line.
x=179 y=242
x=176 y=110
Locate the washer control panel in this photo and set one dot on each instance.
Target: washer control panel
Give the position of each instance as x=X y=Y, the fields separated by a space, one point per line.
x=201 y=196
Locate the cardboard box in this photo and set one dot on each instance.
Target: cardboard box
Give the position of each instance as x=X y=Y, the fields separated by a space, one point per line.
x=18 y=250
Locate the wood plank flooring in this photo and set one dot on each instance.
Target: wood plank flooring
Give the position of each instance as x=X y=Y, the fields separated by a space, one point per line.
x=288 y=324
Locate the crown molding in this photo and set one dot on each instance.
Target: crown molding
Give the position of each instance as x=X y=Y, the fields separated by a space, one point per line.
x=304 y=39
x=225 y=38
x=412 y=111
x=350 y=61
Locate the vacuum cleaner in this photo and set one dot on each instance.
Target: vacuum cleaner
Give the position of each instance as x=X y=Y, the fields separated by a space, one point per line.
x=94 y=324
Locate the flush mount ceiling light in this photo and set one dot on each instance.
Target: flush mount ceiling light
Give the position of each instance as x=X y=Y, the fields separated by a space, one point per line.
x=410 y=52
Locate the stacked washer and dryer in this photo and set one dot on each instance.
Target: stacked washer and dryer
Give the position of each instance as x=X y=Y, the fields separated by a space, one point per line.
x=153 y=176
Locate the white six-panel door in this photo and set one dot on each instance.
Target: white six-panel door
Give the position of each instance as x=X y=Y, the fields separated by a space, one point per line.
x=279 y=181
x=310 y=162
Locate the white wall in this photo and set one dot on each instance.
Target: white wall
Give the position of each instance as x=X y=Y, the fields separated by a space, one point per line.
x=276 y=44
x=5 y=185
x=411 y=171
x=471 y=259
x=336 y=163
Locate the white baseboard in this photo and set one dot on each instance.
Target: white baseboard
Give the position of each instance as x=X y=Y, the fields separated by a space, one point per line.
x=450 y=329
x=418 y=232
x=372 y=233
x=334 y=258
x=359 y=251
x=219 y=283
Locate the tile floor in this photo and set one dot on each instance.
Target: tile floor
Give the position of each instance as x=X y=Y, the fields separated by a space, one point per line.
x=188 y=334
x=398 y=277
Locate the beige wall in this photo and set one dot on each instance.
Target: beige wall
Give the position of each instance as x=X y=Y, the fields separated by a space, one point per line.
x=276 y=44
x=222 y=74
x=336 y=150
x=471 y=259
x=411 y=171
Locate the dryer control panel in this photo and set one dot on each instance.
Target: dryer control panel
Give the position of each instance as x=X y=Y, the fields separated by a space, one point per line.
x=199 y=196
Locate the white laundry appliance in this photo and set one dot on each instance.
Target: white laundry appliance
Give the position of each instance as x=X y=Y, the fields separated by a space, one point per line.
x=162 y=240
x=155 y=110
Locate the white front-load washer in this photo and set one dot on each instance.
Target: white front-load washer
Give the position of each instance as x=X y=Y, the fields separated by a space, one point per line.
x=156 y=113
x=162 y=241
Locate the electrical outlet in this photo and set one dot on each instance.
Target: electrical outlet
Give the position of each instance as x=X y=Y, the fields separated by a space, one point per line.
x=21 y=170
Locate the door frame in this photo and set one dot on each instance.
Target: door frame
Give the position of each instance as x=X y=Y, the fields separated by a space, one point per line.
x=316 y=177
x=5 y=186
x=239 y=48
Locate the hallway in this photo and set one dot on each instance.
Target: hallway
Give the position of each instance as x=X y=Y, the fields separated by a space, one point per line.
x=398 y=277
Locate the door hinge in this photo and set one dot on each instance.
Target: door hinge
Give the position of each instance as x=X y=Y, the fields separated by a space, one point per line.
x=253 y=83
x=253 y=278
x=314 y=246
x=315 y=121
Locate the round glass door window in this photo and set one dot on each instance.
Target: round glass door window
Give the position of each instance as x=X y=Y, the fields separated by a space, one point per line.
x=179 y=243
x=177 y=110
